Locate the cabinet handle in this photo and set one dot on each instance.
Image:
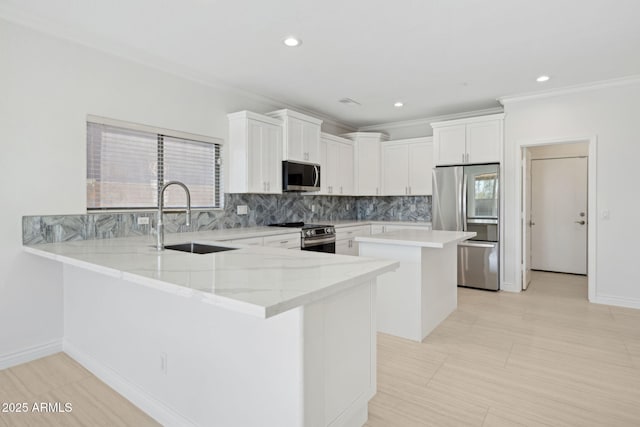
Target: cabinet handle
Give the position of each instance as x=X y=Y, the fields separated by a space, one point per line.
x=264 y=187
x=376 y=191
x=462 y=157
x=409 y=190
x=341 y=189
x=283 y=242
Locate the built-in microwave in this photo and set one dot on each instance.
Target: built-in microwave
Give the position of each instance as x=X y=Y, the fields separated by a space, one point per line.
x=299 y=176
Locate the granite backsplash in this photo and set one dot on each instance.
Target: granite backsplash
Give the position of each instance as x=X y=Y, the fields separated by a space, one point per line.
x=263 y=209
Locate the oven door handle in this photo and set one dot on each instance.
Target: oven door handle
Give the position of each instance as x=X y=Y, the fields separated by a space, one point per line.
x=315 y=242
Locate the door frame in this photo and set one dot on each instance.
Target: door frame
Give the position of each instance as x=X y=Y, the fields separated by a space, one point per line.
x=592 y=215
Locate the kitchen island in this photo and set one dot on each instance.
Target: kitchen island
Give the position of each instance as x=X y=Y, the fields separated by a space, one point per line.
x=248 y=337
x=414 y=299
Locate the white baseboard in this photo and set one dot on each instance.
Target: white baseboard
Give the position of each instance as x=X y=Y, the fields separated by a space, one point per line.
x=139 y=397
x=509 y=287
x=617 y=301
x=31 y=353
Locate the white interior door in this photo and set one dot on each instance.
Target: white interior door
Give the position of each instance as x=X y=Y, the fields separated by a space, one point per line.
x=526 y=218
x=559 y=215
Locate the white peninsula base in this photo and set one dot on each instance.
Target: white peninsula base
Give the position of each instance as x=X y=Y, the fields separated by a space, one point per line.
x=186 y=362
x=414 y=299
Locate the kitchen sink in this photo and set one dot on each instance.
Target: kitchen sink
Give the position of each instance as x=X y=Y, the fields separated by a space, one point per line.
x=198 y=248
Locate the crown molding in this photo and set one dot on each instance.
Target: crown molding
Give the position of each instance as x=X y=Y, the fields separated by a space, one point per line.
x=428 y=120
x=598 y=85
x=16 y=16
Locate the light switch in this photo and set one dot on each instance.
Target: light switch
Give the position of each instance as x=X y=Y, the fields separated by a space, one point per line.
x=143 y=220
x=242 y=210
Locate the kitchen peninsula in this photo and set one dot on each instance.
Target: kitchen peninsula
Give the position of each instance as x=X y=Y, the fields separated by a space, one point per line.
x=412 y=301
x=253 y=336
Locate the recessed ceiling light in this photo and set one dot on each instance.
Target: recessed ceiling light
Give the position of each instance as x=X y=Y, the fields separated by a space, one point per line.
x=542 y=79
x=398 y=104
x=292 y=42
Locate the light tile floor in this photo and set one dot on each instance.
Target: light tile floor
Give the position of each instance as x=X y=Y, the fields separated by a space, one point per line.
x=544 y=357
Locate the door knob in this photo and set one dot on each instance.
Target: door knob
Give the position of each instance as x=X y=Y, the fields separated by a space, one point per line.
x=580 y=222
x=531 y=223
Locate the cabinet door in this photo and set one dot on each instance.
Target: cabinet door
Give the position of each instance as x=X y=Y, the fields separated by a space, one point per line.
x=368 y=169
x=483 y=141
x=295 y=140
x=342 y=247
x=420 y=168
x=324 y=167
x=256 y=182
x=310 y=142
x=272 y=158
x=344 y=170
x=395 y=180
x=331 y=170
x=450 y=144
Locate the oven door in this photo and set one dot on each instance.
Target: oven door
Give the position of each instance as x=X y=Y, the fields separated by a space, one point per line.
x=324 y=244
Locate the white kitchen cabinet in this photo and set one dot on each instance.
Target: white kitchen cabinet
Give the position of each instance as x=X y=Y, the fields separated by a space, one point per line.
x=406 y=167
x=285 y=241
x=383 y=228
x=255 y=153
x=336 y=165
x=300 y=136
x=345 y=238
x=367 y=162
x=473 y=140
x=250 y=241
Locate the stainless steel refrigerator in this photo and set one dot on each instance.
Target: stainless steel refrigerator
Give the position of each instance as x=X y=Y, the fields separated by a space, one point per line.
x=466 y=198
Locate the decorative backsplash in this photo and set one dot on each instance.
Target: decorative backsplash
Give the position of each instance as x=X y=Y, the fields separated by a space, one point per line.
x=263 y=209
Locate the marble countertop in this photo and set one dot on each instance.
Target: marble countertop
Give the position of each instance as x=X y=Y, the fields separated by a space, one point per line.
x=421 y=238
x=255 y=280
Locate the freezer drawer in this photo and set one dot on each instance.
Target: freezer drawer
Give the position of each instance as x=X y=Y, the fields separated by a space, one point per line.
x=478 y=265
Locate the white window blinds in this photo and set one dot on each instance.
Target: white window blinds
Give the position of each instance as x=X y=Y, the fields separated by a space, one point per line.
x=126 y=167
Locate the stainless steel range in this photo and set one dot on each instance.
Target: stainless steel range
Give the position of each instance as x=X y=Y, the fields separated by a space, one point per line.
x=314 y=237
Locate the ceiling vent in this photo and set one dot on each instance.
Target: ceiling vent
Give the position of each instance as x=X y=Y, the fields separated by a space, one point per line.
x=348 y=101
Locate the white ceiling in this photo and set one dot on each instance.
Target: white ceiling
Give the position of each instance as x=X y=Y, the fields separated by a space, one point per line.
x=437 y=56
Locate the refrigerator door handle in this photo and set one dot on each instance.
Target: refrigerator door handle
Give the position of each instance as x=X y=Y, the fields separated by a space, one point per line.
x=464 y=202
x=478 y=245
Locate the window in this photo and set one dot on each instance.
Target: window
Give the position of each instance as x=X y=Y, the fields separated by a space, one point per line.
x=127 y=164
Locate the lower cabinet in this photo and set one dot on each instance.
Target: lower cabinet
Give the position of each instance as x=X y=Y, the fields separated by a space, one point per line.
x=251 y=241
x=286 y=241
x=345 y=239
x=383 y=228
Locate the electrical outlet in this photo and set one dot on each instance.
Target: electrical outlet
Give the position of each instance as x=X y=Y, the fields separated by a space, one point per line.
x=143 y=220
x=348 y=206
x=412 y=208
x=313 y=208
x=242 y=209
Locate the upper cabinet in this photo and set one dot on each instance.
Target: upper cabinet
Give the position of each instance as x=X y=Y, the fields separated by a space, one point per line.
x=406 y=167
x=336 y=165
x=473 y=140
x=255 y=153
x=367 y=162
x=300 y=136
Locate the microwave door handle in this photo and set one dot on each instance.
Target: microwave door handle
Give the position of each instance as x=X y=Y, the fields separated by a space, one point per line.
x=316 y=176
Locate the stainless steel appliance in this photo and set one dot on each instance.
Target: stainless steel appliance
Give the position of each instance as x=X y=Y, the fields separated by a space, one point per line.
x=298 y=176
x=314 y=237
x=466 y=198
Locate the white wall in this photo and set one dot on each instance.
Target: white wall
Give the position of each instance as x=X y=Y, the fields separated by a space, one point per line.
x=47 y=87
x=611 y=115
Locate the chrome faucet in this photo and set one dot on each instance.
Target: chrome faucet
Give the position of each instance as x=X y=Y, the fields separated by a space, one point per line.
x=160 y=230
